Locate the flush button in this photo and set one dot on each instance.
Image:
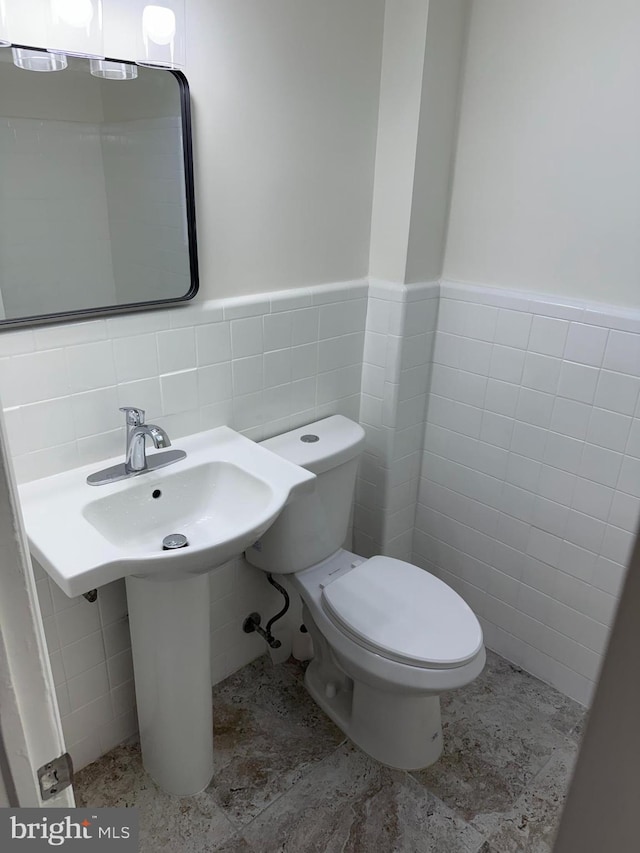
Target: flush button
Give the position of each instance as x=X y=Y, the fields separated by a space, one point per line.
x=309 y=439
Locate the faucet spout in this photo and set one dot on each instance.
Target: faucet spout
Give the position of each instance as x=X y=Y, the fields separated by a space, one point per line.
x=137 y=432
x=136 y=447
x=159 y=437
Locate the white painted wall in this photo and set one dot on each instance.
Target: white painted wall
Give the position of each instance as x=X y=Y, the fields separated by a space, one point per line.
x=547 y=179
x=285 y=98
x=439 y=109
x=423 y=53
x=405 y=28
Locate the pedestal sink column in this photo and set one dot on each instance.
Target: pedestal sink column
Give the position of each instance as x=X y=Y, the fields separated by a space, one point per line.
x=170 y=640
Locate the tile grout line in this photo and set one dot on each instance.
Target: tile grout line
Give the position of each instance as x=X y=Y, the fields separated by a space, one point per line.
x=309 y=768
x=446 y=808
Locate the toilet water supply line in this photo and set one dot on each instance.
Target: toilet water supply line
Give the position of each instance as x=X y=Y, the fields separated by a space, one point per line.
x=252 y=622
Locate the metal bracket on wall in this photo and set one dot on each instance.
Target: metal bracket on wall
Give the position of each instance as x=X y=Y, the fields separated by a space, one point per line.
x=55 y=776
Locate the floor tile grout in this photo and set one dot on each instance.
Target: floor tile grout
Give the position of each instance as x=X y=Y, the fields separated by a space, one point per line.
x=311 y=767
x=284 y=765
x=444 y=806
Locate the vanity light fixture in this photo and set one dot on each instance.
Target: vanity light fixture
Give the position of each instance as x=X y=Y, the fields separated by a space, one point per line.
x=146 y=33
x=75 y=27
x=161 y=39
x=110 y=70
x=38 y=60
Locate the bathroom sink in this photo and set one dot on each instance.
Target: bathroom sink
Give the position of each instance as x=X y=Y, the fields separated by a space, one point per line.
x=217 y=501
x=222 y=497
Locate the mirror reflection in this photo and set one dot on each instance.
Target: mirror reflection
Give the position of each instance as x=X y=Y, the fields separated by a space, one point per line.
x=96 y=204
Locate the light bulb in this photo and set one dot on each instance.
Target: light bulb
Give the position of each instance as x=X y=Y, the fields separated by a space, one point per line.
x=159 y=24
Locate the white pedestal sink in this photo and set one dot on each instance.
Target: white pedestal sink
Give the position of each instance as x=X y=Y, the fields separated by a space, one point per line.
x=222 y=497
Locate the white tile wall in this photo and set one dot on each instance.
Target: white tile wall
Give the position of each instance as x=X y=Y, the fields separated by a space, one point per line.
x=401 y=322
x=503 y=453
x=260 y=365
x=530 y=495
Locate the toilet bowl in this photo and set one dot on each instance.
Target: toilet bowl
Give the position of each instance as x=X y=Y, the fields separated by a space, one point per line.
x=388 y=636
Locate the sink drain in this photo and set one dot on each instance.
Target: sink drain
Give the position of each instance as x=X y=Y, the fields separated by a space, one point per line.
x=174 y=541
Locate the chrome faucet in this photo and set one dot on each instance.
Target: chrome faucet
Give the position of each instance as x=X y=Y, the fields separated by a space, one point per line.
x=137 y=432
x=136 y=461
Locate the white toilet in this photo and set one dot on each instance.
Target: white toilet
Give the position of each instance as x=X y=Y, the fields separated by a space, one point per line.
x=388 y=636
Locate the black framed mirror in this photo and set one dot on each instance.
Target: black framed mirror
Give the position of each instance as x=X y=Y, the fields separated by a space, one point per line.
x=97 y=210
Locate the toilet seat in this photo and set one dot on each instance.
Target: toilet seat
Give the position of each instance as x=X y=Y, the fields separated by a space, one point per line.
x=403 y=613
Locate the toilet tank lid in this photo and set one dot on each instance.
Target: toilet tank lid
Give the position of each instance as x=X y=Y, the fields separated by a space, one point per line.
x=321 y=445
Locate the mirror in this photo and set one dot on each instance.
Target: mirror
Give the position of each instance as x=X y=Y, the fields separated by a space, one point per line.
x=96 y=191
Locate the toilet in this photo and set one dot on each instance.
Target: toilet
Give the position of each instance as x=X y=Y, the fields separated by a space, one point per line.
x=388 y=636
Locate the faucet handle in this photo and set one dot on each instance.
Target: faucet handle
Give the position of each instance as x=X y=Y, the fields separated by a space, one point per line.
x=134 y=416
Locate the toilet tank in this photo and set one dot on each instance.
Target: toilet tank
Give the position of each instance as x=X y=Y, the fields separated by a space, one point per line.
x=314 y=526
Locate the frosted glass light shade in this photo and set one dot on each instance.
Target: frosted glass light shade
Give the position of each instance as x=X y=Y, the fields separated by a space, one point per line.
x=24 y=22
x=121 y=25
x=113 y=70
x=75 y=27
x=161 y=34
x=5 y=40
x=38 y=60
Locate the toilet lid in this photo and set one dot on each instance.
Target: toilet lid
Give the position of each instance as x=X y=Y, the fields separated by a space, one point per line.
x=404 y=613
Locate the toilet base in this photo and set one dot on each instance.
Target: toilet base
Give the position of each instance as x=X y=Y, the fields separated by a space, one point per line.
x=403 y=731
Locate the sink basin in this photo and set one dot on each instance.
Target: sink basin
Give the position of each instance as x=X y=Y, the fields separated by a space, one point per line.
x=222 y=497
x=206 y=503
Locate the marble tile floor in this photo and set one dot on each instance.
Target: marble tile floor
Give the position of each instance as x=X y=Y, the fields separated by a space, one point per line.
x=287 y=781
